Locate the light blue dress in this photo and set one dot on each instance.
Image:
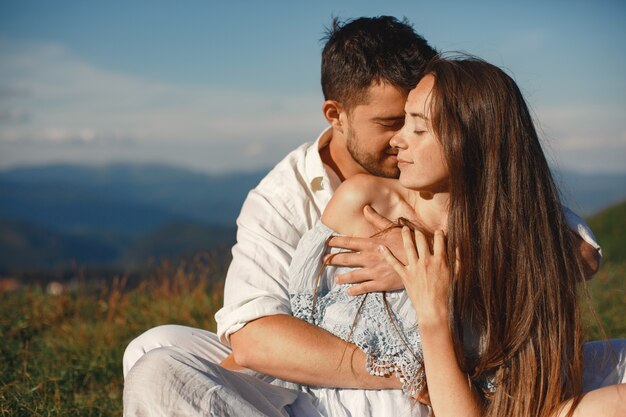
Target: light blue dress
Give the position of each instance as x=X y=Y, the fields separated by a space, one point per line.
x=386 y=331
x=389 y=337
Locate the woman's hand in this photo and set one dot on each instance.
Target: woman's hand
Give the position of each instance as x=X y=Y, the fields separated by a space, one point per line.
x=426 y=277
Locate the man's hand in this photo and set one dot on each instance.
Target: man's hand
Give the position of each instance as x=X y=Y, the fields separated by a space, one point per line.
x=229 y=363
x=590 y=257
x=374 y=273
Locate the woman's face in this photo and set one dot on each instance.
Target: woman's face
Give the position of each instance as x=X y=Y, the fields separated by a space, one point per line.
x=420 y=154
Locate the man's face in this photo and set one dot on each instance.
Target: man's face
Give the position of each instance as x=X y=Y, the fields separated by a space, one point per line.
x=370 y=127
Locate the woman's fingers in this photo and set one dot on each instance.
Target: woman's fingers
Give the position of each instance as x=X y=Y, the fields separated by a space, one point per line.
x=423 y=250
x=409 y=246
x=439 y=243
x=422 y=264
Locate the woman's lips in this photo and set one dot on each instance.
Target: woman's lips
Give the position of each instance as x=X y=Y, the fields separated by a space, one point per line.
x=402 y=162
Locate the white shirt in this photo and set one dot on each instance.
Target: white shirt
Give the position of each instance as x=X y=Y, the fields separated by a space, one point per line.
x=274 y=216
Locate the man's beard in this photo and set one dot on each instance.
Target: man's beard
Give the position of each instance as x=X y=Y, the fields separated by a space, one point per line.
x=374 y=164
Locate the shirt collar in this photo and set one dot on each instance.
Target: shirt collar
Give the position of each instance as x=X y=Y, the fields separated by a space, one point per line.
x=317 y=174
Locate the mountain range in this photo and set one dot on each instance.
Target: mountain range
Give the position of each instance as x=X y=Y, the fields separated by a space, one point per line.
x=117 y=215
x=121 y=215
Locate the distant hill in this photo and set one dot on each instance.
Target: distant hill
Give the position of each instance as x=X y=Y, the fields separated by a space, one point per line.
x=121 y=215
x=609 y=227
x=177 y=239
x=26 y=246
x=587 y=194
x=124 y=197
x=117 y=215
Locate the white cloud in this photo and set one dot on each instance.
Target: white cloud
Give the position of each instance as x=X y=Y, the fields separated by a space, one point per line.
x=591 y=137
x=56 y=107
x=10 y=116
x=49 y=96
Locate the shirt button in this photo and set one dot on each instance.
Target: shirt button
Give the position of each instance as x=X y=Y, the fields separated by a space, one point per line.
x=317 y=184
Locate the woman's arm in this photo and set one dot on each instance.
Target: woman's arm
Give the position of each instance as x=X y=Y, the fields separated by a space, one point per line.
x=449 y=389
x=609 y=401
x=426 y=279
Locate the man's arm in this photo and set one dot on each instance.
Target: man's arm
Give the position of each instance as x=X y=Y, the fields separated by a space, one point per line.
x=588 y=247
x=256 y=318
x=375 y=275
x=292 y=349
x=590 y=257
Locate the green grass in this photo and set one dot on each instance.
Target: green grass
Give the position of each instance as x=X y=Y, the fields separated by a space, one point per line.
x=610 y=229
x=607 y=292
x=62 y=355
x=608 y=288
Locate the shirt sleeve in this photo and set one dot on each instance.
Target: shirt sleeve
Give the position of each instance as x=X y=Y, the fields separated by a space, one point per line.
x=257 y=282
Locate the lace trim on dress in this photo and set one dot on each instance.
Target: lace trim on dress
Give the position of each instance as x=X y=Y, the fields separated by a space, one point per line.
x=390 y=348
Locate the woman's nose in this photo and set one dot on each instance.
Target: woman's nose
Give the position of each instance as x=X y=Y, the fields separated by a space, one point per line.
x=397 y=140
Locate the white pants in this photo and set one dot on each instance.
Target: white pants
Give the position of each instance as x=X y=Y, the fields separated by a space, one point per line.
x=198 y=342
x=177 y=374
x=173 y=371
x=170 y=382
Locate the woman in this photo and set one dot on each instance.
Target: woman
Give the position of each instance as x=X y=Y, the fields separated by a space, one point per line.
x=503 y=314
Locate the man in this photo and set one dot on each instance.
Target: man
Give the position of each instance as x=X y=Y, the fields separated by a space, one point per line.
x=368 y=67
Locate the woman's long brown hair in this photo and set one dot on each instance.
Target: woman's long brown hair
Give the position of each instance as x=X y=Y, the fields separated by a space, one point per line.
x=518 y=265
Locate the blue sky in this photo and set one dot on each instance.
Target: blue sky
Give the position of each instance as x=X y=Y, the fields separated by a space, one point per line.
x=222 y=86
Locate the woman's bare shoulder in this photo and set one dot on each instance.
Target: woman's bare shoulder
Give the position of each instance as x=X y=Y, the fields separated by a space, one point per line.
x=344 y=212
x=362 y=189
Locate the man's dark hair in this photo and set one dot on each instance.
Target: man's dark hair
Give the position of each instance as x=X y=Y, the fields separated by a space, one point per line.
x=367 y=50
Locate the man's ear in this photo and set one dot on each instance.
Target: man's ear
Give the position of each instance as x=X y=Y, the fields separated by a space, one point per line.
x=332 y=112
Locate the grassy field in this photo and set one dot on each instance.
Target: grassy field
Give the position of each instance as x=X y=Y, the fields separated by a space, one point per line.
x=61 y=355
x=608 y=287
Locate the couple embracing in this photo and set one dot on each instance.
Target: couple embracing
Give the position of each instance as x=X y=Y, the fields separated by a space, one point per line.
x=414 y=259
